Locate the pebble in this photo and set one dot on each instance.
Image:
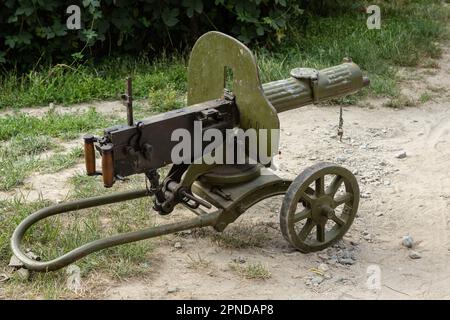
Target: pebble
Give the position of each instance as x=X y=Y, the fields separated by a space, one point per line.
x=401 y=155
x=332 y=261
x=15 y=262
x=387 y=183
x=178 y=245
x=346 y=261
x=367 y=237
x=414 y=255
x=408 y=241
x=239 y=260
x=73 y=282
x=172 y=290
x=316 y=280
x=323 y=256
x=3 y=277
x=365 y=195
x=323 y=267
x=23 y=274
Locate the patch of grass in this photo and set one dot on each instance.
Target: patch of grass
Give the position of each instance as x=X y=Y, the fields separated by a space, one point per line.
x=198 y=263
x=240 y=235
x=252 y=270
x=60 y=234
x=166 y=99
x=61 y=161
x=18 y=158
x=69 y=85
x=53 y=124
x=400 y=102
x=425 y=97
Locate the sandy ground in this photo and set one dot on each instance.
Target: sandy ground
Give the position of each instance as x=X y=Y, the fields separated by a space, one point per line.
x=409 y=196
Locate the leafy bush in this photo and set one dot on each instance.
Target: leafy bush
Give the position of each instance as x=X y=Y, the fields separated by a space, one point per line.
x=33 y=31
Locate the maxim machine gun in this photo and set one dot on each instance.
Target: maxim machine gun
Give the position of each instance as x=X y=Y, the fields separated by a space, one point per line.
x=219 y=184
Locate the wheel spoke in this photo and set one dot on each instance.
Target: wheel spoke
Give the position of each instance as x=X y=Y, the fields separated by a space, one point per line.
x=305 y=213
x=334 y=185
x=342 y=199
x=306 y=230
x=320 y=232
x=339 y=221
x=320 y=186
x=307 y=198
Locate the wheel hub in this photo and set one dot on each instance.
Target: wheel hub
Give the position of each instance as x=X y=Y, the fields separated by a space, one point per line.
x=321 y=209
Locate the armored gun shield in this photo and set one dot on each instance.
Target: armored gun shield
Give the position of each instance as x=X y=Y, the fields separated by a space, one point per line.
x=211 y=55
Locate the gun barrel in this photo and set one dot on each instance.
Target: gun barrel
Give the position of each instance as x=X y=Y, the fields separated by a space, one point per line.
x=306 y=86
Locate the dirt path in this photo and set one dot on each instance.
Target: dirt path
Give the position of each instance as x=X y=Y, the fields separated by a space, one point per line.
x=400 y=197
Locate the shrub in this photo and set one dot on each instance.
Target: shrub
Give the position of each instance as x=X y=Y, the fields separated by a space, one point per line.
x=33 y=31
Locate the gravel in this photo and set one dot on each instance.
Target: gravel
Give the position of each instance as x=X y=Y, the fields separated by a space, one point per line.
x=408 y=241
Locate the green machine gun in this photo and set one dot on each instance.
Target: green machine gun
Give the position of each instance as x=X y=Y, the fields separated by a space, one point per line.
x=318 y=206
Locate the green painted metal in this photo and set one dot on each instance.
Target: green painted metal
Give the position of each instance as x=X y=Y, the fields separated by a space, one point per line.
x=318 y=207
x=80 y=252
x=211 y=54
x=306 y=86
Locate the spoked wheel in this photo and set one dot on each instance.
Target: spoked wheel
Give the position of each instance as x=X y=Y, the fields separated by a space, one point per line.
x=319 y=207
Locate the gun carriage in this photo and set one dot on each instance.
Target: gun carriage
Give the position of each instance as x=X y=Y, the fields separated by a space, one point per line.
x=313 y=213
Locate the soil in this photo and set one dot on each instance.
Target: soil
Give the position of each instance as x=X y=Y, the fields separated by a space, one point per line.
x=399 y=197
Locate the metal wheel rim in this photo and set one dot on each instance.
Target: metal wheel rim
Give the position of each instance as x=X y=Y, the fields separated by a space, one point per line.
x=317 y=215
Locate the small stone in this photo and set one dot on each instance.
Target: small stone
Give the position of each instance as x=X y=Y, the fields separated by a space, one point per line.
x=239 y=260
x=414 y=255
x=14 y=262
x=327 y=275
x=367 y=237
x=332 y=261
x=340 y=159
x=386 y=183
x=316 y=280
x=323 y=256
x=346 y=261
x=348 y=255
x=23 y=274
x=178 y=245
x=323 y=267
x=408 y=241
x=288 y=133
x=365 y=195
x=378 y=213
x=383 y=163
x=3 y=277
x=73 y=282
x=172 y=290
x=401 y=155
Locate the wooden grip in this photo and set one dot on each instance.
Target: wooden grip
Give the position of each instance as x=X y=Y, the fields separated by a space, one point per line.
x=89 y=154
x=107 y=166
